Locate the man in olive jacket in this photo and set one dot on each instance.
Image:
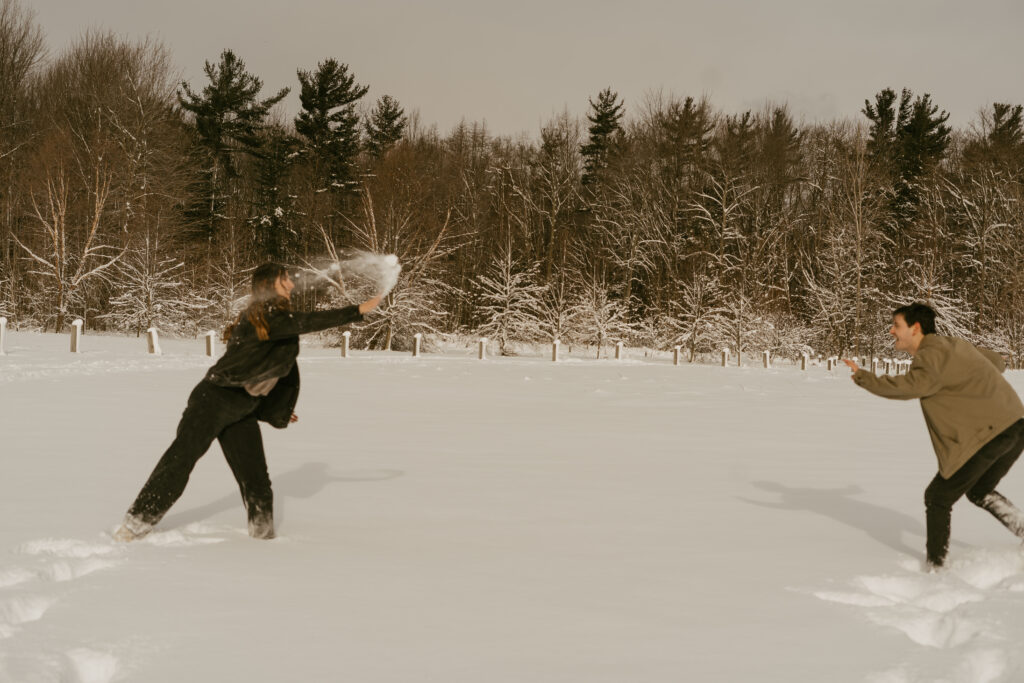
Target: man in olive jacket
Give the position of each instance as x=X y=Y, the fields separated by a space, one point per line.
x=974 y=417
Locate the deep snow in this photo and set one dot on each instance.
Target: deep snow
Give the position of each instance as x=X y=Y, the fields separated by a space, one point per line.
x=511 y=520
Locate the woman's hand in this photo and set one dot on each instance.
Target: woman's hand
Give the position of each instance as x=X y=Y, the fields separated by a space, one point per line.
x=293 y=418
x=370 y=304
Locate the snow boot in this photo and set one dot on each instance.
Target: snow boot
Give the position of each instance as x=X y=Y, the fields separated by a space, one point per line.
x=261 y=526
x=132 y=529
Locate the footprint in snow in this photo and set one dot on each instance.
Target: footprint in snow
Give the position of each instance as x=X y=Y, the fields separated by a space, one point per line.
x=923 y=607
x=985 y=665
x=90 y=666
x=962 y=608
x=14 y=576
x=22 y=610
x=67 y=570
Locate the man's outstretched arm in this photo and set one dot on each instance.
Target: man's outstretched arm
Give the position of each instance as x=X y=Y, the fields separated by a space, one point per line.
x=921 y=380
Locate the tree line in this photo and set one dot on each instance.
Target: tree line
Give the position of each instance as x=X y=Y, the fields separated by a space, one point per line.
x=130 y=199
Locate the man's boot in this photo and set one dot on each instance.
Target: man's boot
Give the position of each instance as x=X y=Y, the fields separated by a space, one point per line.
x=261 y=522
x=132 y=529
x=1005 y=511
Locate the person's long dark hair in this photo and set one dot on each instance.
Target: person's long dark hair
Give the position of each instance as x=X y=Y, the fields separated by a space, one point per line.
x=263 y=300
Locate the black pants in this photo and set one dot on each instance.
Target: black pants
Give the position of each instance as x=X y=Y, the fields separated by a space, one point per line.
x=978 y=479
x=225 y=414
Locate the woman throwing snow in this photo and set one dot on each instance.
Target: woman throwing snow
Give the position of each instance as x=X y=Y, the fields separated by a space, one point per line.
x=257 y=378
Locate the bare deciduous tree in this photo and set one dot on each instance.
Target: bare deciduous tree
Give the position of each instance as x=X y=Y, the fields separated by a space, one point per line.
x=71 y=253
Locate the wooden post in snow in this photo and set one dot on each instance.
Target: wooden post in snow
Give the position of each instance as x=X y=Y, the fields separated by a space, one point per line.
x=618 y=350
x=153 y=342
x=211 y=343
x=76 y=335
x=675 y=356
x=417 y=338
x=345 y=337
x=483 y=349
x=831 y=364
x=803 y=361
x=767 y=358
x=3 y=336
x=554 y=351
x=725 y=356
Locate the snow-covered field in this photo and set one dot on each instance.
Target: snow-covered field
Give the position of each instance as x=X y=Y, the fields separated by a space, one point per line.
x=448 y=520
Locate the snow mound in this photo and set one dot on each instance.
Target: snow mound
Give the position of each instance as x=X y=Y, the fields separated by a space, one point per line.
x=91 y=666
x=66 y=547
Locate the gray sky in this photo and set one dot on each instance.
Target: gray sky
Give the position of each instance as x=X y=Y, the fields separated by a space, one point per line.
x=514 y=64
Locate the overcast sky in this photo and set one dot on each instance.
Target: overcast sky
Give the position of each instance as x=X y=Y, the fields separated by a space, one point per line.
x=514 y=64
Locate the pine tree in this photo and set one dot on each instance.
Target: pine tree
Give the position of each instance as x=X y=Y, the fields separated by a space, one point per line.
x=923 y=137
x=881 y=144
x=385 y=126
x=1001 y=142
x=1007 y=126
x=735 y=145
x=229 y=117
x=605 y=129
x=686 y=129
x=778 y=149
x=907 y=142
x=328 y=122
x=274 y=211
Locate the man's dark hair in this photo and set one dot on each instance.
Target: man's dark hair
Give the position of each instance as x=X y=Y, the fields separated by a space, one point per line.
x=918 y=313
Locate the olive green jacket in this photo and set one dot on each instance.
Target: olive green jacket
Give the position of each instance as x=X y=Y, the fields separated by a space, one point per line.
x=964 y=397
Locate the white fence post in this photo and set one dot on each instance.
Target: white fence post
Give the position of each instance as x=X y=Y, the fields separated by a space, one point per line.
x=767 y=359
x=554 y=351
x=618 y=350
x=483 y=349
x=211 y=343
x=874 y=366
x=3 y=336
x=153 y=341
x=76 y=335
x=675 y=356
x=345 y=336
x=416 y=344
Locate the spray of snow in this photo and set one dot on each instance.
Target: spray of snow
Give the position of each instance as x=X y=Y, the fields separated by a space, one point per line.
x=378 y=271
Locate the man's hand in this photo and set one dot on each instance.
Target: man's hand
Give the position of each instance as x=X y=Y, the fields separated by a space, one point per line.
x=852 y=365
x=293 y=418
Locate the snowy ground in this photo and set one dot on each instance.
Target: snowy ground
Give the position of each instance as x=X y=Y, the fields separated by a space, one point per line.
x=445 y=519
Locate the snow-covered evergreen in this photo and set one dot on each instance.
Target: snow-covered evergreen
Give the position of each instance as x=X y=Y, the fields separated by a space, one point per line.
x=509 y=301
x=149 y=290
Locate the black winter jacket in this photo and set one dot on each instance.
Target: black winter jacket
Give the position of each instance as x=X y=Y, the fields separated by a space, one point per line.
x=248 y=360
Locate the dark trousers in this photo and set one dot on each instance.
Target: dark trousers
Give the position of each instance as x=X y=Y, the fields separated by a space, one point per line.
x=225 y=414
x=978 y=479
